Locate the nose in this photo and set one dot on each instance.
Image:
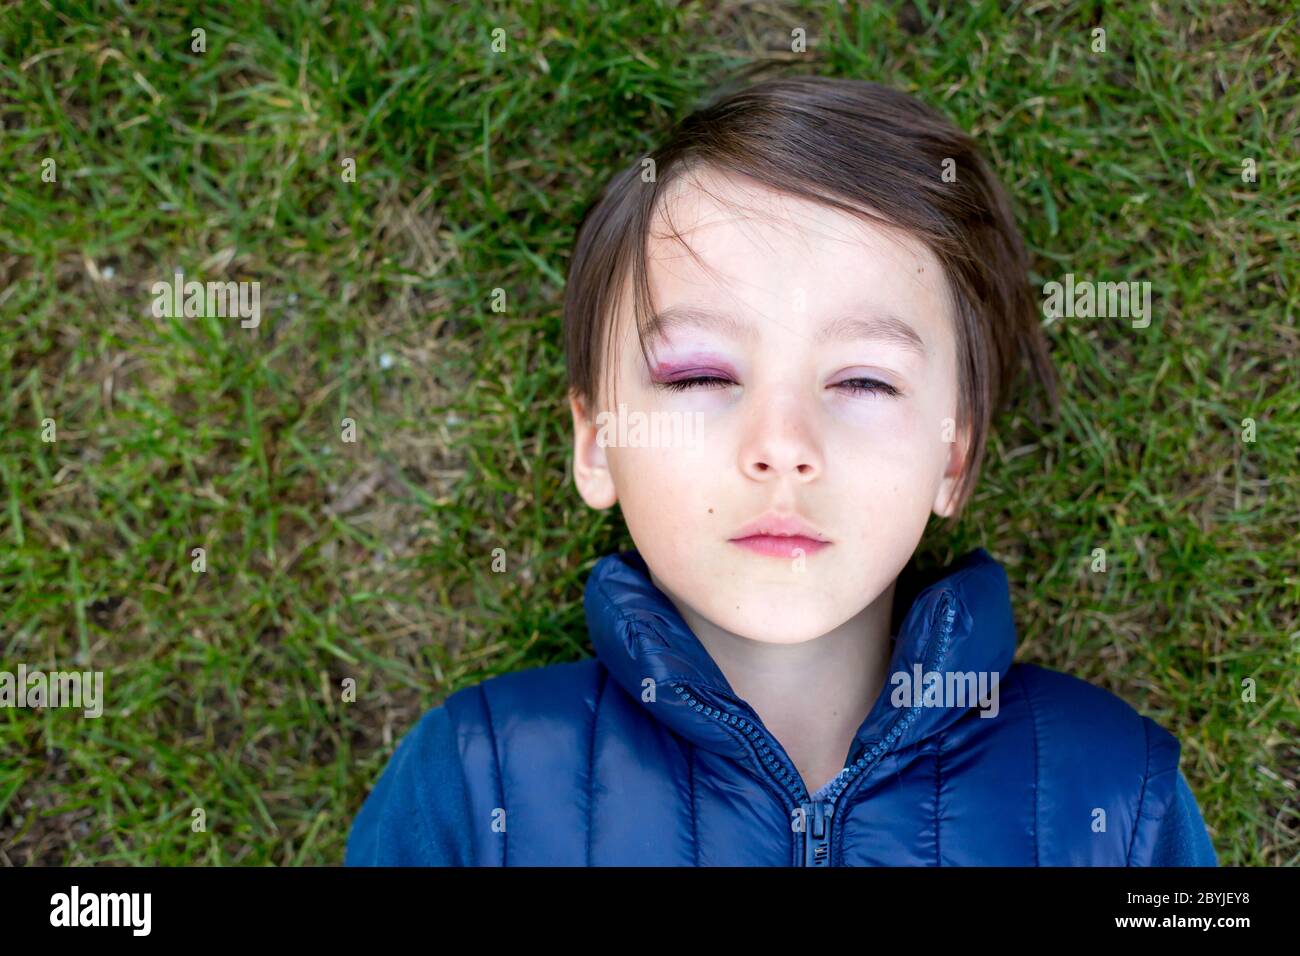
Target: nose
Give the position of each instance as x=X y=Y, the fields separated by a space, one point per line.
x=780 y=441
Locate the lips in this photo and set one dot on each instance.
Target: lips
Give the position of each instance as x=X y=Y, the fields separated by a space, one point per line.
x=780 y=536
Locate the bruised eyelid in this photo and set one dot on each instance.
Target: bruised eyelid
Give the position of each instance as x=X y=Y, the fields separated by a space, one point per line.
x=690 y=368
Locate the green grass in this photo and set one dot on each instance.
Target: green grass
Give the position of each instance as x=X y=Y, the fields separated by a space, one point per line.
x=372 y=560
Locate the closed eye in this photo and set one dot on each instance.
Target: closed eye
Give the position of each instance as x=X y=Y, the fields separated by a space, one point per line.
x=855 y=386
x=699 y=381
x=868 y=386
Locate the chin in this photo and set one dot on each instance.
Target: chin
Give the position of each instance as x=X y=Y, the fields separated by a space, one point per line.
x=776 y=623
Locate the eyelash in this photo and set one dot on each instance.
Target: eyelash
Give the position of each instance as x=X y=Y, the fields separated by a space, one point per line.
x=857 y=386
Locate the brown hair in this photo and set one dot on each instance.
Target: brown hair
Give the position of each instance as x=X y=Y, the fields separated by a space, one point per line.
x=860 y=147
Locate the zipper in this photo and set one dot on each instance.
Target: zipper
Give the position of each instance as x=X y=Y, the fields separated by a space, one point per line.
x=817 y=833
x=755 y=739
x=819 y=815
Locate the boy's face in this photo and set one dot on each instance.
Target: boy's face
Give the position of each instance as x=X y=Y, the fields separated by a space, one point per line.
x=807 y=307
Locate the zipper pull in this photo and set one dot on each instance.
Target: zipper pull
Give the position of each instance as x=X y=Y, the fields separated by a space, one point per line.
x=817 y=833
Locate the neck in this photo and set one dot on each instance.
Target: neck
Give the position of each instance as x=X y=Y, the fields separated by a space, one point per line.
x=812 y=696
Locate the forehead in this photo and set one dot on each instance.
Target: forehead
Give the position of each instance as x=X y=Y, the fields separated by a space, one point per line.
x=773 y=261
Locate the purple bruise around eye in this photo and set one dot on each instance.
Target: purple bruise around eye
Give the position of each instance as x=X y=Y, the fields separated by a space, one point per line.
x=665 y=372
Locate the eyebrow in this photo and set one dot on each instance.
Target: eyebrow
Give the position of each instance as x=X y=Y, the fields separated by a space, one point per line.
x=887 y=328
x=879 y=326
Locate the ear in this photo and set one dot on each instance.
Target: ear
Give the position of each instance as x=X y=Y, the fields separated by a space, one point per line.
x=945 y=499
x=590 y=467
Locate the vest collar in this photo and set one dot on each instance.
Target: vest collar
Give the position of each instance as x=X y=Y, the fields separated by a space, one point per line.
x=956 y=619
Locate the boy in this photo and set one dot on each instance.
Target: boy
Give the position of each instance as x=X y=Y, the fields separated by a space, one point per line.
x=824 y=278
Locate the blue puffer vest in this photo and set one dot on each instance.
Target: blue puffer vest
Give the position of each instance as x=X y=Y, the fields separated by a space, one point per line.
x=645 y=756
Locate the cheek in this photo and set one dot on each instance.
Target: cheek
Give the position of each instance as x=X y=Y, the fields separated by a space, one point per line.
x=665 y=490
x=895 y=454
x=665 y=496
